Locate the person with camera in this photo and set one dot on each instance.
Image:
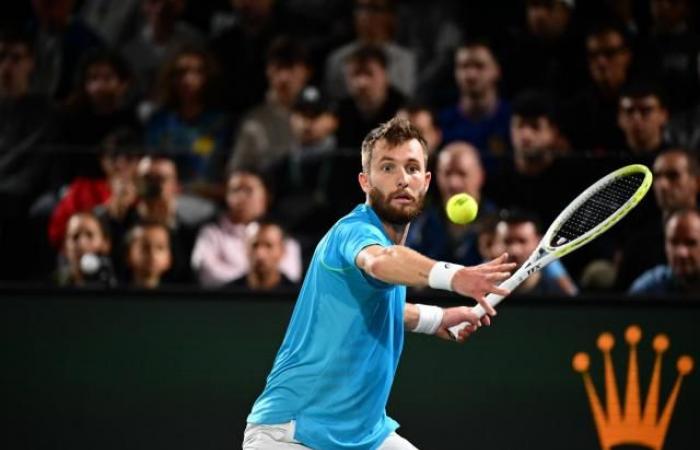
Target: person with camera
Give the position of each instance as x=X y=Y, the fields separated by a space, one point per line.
x=158 y=199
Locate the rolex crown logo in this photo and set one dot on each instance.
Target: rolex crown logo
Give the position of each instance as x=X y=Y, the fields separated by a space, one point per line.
x=633 y=423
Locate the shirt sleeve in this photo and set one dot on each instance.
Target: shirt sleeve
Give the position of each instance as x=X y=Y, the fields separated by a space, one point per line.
x=349 y=239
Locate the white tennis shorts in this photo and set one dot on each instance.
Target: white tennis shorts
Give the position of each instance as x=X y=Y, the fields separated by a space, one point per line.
x=281 y=437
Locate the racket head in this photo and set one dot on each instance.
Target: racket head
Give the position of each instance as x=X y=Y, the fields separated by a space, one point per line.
x=597 y=209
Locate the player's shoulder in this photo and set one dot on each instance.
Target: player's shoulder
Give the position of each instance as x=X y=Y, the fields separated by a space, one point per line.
x=362 y=220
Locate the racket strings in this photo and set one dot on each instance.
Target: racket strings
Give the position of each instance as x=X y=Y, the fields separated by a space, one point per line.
x=598 y=207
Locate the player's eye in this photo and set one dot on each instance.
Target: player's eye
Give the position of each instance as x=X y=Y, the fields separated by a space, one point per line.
x=387 y=167
x=413 y=169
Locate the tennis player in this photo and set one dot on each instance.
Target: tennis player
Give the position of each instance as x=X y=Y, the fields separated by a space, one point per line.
x=331 y=378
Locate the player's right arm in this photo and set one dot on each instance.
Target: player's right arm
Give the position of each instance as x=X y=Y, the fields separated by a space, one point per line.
x=398 y=264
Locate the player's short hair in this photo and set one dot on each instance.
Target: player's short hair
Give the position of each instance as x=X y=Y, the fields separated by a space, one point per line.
x=394 y=132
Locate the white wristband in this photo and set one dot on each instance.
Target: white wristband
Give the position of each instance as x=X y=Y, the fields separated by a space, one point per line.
x=429 y=319
x=441 y=275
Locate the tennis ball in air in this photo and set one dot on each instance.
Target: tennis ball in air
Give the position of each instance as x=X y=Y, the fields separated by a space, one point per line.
x=462 y=208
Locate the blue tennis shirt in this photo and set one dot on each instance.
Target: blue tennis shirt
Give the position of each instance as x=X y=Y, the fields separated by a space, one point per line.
x=336 y=365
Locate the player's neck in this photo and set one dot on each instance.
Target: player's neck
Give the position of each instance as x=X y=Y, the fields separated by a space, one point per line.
x=397 y=233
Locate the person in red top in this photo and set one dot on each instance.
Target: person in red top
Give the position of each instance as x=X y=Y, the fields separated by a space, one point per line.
x=118 y=160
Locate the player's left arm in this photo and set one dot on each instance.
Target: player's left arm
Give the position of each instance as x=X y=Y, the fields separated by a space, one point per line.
x=450 y=317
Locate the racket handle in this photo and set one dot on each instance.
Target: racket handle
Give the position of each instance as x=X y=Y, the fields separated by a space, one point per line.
x=493 y=299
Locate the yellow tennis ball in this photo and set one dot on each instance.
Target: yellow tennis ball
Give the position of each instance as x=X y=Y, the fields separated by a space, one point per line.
x=462 y=208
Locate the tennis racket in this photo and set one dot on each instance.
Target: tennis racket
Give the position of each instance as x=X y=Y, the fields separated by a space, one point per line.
x=591 y=214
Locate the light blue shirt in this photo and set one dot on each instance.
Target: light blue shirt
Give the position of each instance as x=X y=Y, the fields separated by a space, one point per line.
x=336 y=365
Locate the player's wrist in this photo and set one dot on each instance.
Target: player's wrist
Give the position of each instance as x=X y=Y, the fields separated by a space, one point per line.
x=429 y=319
x=441 y=275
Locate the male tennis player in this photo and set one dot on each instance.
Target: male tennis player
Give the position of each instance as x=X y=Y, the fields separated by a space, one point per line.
x=332 y=375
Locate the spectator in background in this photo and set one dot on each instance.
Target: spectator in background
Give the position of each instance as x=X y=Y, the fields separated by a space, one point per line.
x=241 y=46
x=161 y=35
x=375 y=25
x=683 y=130
x=423 y=118
x=119 y=156
x=86 y=248
x=97 y=107
x=676 y=186
x=159 y=199
x=311 y=180
x=266 y=249
x=590 y=119
x=545 y=54
x=372 y=99
x=536 y=166
x=219 y=254
x=27 y=125
x=522 y=236
x=61 y=41
x=458 y=169
x=676 y=49
x=642 y=116
x=189 y=126
x=114 y=21
x=148 y=254
x=681 y=274
x=480 y=116
x=265 y=135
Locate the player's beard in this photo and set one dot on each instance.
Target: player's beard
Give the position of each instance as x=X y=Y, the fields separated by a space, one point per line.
x=395 y=215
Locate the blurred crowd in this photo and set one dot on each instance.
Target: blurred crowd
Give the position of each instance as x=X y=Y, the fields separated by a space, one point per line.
x=148 y=143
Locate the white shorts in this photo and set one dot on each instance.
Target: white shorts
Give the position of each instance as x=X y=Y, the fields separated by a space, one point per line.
x=281 y=437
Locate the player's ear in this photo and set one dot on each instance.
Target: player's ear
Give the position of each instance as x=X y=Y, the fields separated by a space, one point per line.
x=428 y=178
x=363 y=178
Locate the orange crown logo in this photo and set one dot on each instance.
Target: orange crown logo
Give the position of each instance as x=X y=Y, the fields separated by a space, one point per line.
x=634 y=423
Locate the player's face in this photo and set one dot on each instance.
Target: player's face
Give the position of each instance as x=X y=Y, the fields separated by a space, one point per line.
x=674 y=186
x=397 y=181
x=683 y=245
x=521 y=241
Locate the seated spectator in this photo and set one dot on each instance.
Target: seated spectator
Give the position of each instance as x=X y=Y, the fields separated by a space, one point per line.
x=458 y=170
x=375 y=24
x=97 y=107
x=681 y=275
x=492 y=236
x=148 y=254
x=683 y=130
x=27 y=126
x=265 y=135
x=371 y=101
x=119 y=157
x=265 y=251
x=675 y=45
x=159 y=199
x=676 y=186
x=161 y=35
x=590 y=117
x=522 y=236
x=62 y=39
x=219 y=254
x=312 y=179
x=188 y=126
x=85 y=257
x=642 y=117
x=480 y=115
x=423 y=118
x=544 y=54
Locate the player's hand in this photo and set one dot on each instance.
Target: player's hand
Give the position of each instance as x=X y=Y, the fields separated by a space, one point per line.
x=479 y=281
x=455 y=316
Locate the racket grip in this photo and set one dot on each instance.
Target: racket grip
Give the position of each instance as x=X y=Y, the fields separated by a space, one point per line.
x=480 y=312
